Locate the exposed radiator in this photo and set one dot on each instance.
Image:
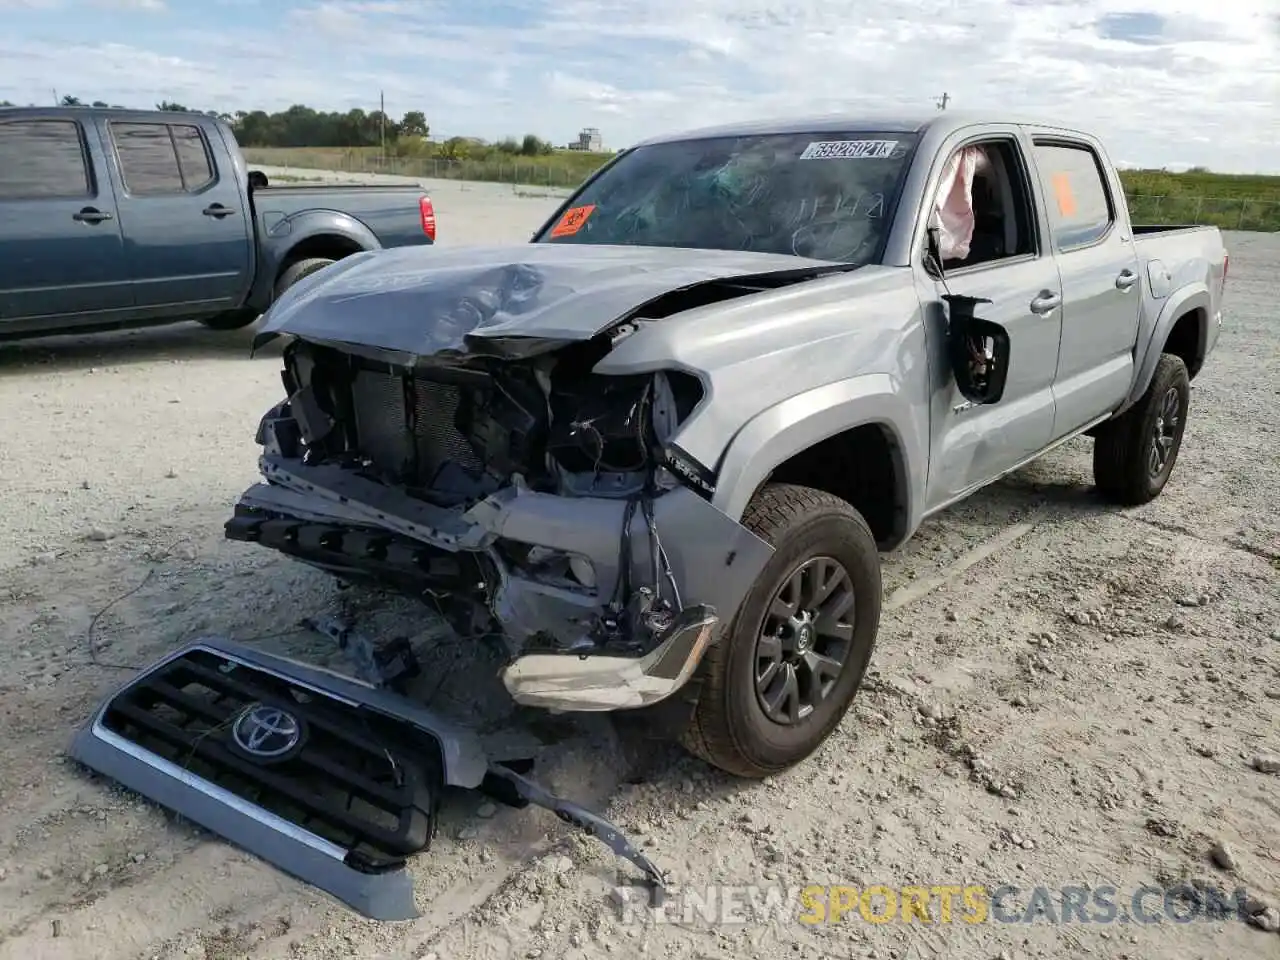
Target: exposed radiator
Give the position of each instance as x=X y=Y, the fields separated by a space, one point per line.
x=382 y=428
x=436 y=435
x=409 y=443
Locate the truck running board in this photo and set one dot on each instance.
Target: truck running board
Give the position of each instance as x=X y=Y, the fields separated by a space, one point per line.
x=328 y=778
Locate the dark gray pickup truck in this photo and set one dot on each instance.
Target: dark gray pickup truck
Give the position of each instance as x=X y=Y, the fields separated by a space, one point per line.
x=112 y=218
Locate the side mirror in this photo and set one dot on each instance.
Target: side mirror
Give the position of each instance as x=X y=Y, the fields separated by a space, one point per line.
x=979 y=350
x=257 y=179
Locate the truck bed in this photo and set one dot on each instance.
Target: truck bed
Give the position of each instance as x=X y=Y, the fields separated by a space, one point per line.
x=391 y=215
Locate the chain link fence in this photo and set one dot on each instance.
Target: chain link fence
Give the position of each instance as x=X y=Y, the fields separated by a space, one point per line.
x=567 y=171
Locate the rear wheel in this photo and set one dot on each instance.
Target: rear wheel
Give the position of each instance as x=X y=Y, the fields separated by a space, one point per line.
x=789 y=664
x=1133 y=455
x=297 y=270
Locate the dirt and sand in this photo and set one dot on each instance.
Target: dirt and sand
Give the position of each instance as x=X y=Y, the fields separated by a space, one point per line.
x=1062 y=694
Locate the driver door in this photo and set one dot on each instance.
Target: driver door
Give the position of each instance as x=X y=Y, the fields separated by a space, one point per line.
x=972 y=444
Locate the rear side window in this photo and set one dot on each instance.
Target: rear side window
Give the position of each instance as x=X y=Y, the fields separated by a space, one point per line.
x=42 y=159
x=1080 y=210
x=193 y=157
x=159 y=158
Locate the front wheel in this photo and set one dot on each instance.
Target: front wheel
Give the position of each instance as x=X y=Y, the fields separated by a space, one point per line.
x=788 y=666
x=1133 y=455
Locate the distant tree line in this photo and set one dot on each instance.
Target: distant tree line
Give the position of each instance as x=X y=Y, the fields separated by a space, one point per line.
x=302 y=126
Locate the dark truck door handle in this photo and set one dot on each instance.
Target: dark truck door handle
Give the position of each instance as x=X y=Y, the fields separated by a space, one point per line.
x=217 y=210
x=1046 y=303
x=1126 y=279
x=91 y=215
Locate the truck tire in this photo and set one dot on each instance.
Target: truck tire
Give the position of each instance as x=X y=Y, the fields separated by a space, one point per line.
x=757 y=713
x=1134 y=454
x=297 y=270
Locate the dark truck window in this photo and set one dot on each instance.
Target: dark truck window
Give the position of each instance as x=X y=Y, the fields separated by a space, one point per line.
x=160 y=158
x=42 y=158
x=827 y=196
x=1080 y=210
x=193 y=157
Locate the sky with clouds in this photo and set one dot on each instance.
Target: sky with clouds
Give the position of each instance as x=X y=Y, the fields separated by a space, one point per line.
x=1164 y=82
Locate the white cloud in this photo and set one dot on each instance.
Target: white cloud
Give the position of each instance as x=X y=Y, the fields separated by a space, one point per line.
x=149 y=6
x=1160 y=80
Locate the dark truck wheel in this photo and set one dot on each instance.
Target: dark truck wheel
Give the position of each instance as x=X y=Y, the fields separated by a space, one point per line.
x=292 y=274
x=1133 y=455
x=787 y=667
x=297 y=270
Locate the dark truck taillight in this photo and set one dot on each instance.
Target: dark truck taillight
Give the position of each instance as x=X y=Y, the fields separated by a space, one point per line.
x=428 y=217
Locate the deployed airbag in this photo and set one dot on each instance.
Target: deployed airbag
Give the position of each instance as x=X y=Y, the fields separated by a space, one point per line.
x=953 y=209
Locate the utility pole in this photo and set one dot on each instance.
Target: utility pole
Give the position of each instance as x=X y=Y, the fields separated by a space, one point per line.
x=382 y=125
x=56 y=101
x=944 y=100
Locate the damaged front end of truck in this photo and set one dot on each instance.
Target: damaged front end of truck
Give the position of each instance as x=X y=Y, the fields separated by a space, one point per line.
x=444 y=432
x=522 y=496
x=464 y=450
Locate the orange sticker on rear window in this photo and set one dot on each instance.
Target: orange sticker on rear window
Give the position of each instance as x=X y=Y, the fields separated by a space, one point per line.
x=572 y=221
x=1062 y=190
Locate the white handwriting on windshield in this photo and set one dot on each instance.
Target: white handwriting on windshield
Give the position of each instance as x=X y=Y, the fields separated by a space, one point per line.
x=869 y=206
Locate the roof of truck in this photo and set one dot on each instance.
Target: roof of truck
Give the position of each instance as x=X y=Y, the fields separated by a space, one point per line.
x=81 y=110
x=862 y=122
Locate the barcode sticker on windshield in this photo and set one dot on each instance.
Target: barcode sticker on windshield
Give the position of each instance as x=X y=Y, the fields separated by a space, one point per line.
x=849 y=150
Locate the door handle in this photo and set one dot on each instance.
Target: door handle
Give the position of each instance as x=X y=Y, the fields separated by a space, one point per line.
x=91 y=215
x=217 y=210
x=1046 y=303
x=1126 y=279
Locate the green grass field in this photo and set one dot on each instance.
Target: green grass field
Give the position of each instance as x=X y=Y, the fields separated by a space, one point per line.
x=1233 y=202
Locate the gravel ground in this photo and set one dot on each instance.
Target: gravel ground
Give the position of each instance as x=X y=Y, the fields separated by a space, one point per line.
x=1063 y=693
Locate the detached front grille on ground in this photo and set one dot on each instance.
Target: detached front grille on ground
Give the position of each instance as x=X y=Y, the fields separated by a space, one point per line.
x=333 y=779
x=290 y=751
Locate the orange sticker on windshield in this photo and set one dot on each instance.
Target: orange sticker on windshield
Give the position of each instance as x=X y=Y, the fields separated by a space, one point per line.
x=572 y=221
x=1062 y=190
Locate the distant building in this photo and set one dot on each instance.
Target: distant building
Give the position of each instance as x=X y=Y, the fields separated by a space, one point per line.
x=590 y=140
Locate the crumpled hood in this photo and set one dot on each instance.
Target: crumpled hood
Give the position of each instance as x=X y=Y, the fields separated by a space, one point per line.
x=424 y=300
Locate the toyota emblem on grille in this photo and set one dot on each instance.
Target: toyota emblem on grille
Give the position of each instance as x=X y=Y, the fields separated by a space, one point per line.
x=266 y=732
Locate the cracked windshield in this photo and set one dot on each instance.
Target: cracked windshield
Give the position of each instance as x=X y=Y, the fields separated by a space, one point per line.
x=823 y=196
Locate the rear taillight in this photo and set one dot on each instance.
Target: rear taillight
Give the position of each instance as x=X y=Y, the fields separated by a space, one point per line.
x=1226 y=262
x=428 y=217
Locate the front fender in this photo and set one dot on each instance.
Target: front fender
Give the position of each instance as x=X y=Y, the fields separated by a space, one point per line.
x=1194 y=296
x=799 y=422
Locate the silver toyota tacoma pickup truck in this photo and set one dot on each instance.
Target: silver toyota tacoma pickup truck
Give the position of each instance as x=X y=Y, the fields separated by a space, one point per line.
x=657 y=452
x=661 y=448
